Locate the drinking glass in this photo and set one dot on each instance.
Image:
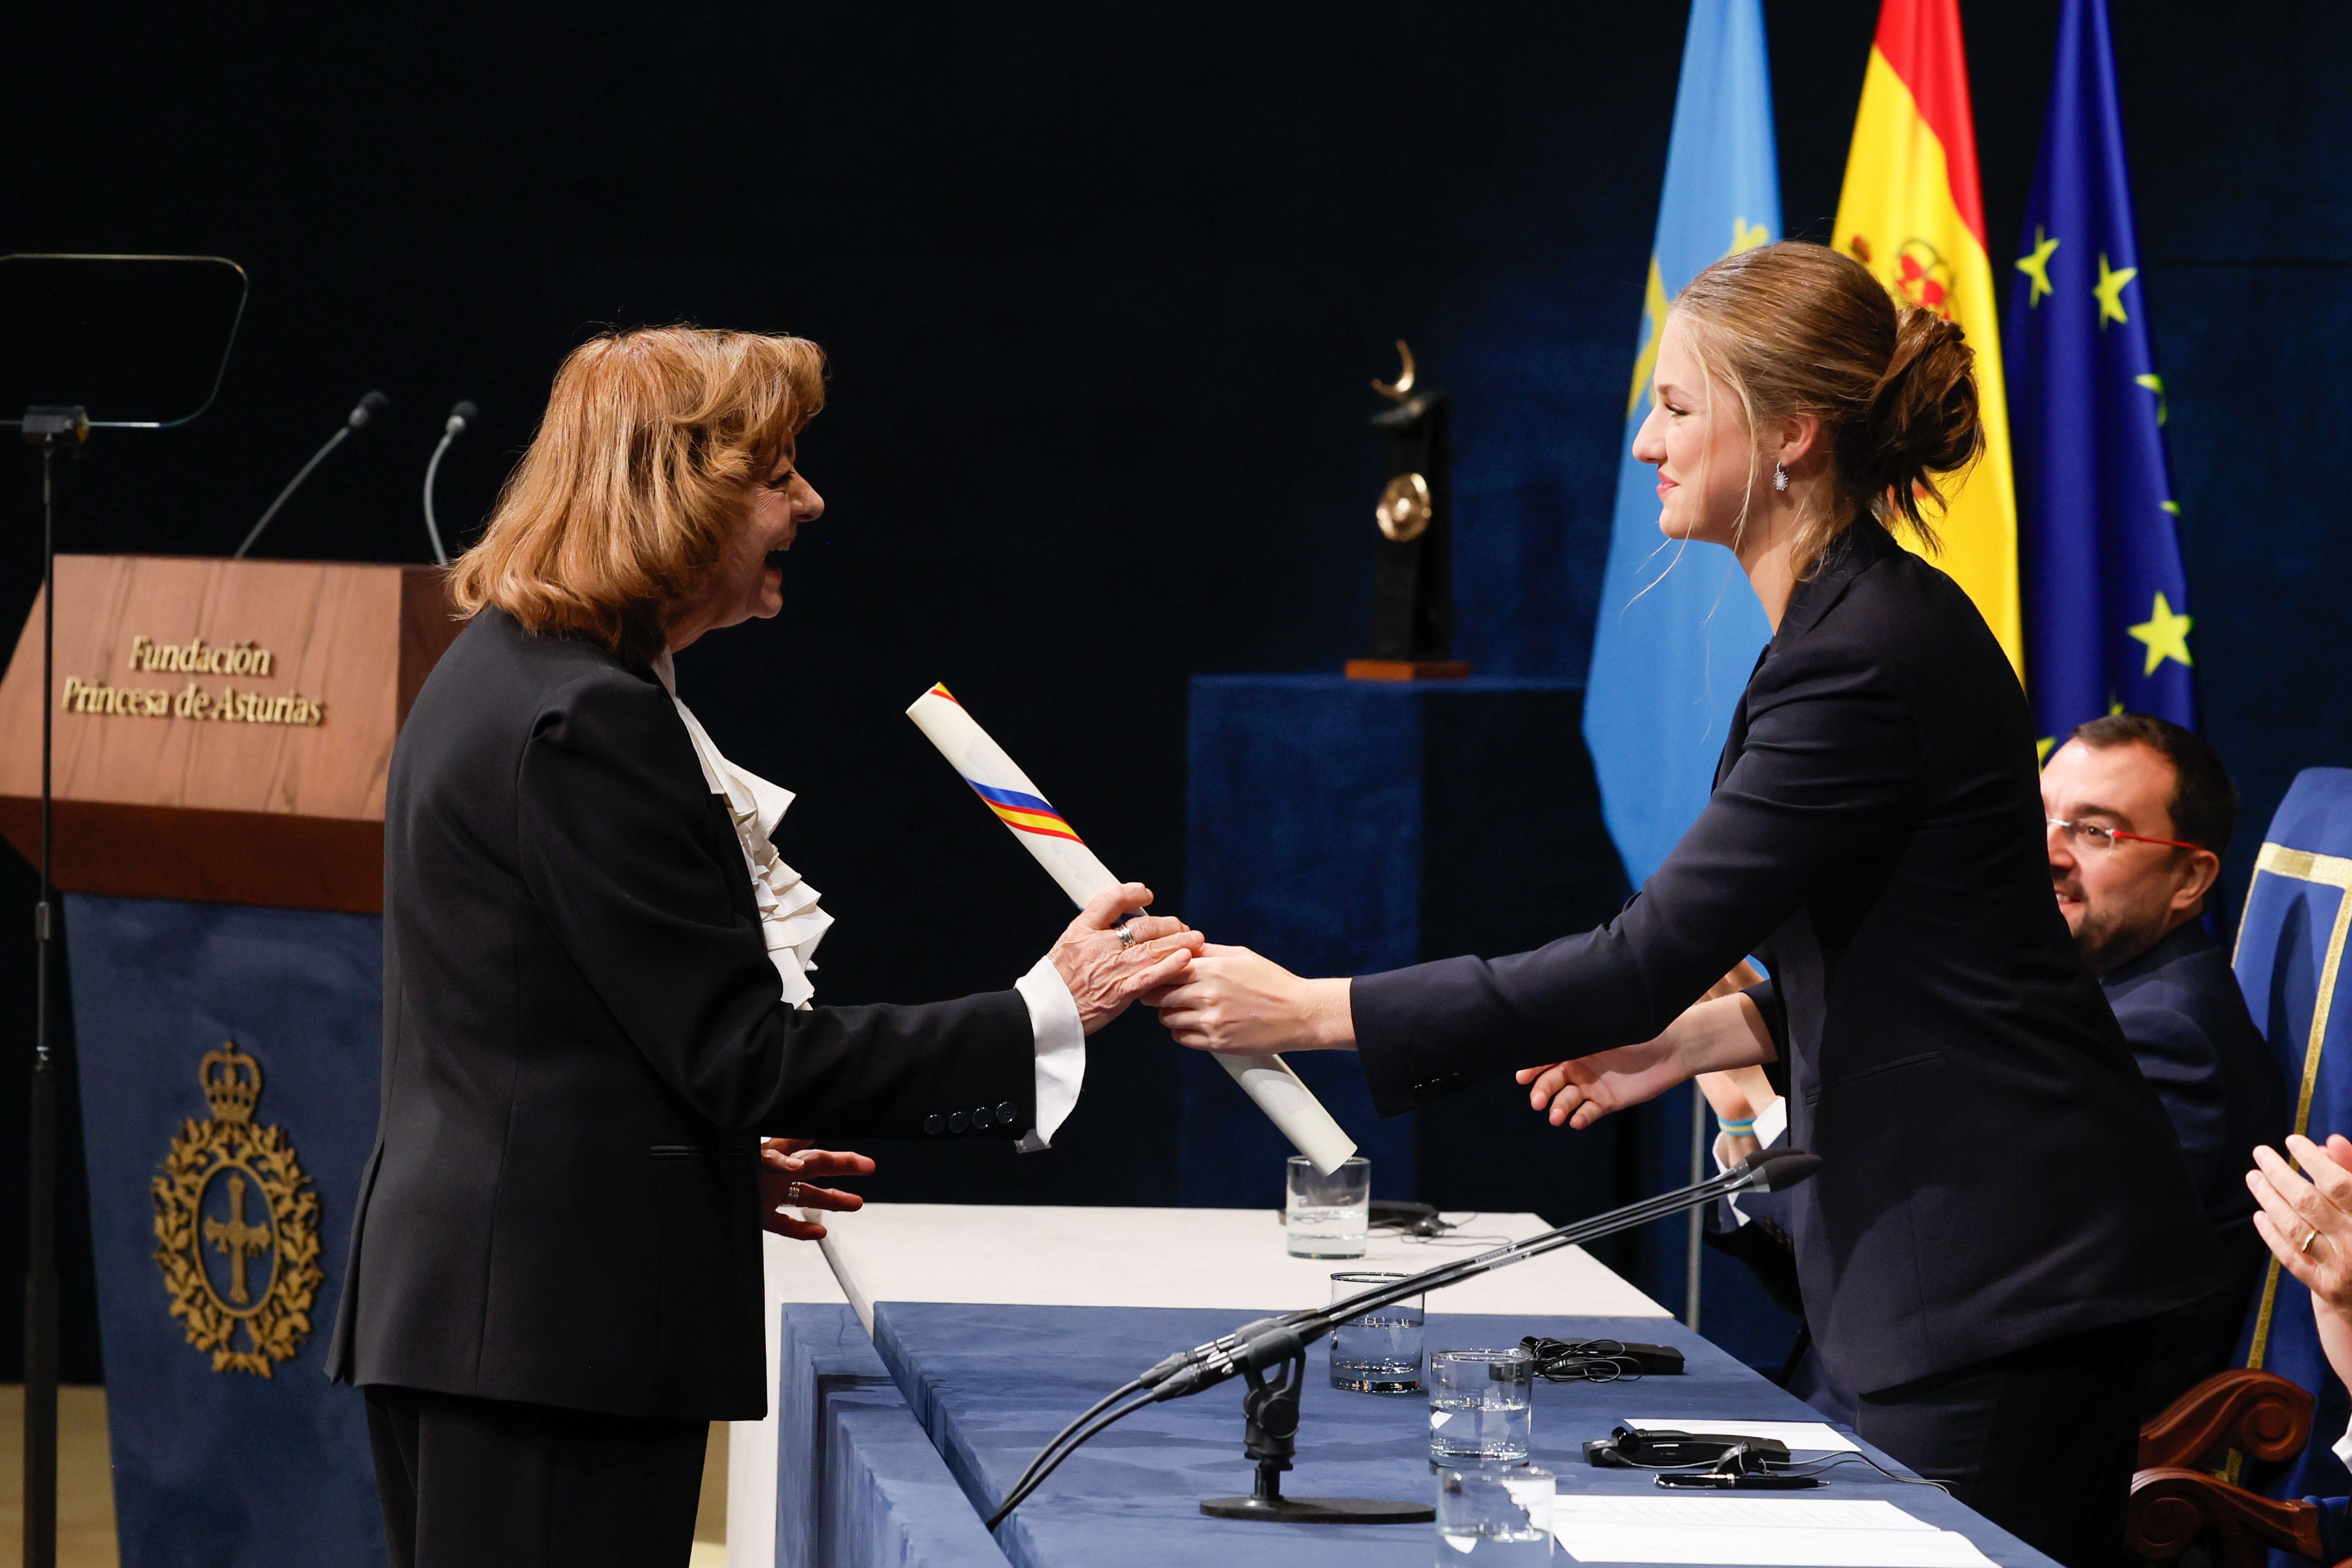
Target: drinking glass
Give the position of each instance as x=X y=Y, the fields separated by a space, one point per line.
x=1328 y=1216
x=1499 y=1517
x=1480 y=1406
x=1379 y=1353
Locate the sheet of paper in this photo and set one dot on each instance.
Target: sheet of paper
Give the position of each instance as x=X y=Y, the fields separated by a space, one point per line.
x=1796 y=1547
x=1761 y=1532
x=1750 y=1512
x=1797 y=1436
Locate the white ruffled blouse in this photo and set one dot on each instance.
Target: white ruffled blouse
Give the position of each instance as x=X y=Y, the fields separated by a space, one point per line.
x=790 y=917
x=793 y=924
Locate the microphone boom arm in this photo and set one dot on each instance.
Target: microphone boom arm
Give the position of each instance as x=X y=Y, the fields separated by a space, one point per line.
x=369 y=406
x=1204 y=1367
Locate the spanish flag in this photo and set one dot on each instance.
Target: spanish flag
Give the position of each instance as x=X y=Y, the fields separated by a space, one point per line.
x=1912 y=210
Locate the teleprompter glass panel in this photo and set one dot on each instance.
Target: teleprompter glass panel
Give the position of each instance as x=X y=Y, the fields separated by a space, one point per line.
x=138 y=342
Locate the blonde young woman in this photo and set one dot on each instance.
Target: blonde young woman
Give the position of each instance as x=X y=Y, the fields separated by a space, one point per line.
x=596 y=991
x=2002 y=1200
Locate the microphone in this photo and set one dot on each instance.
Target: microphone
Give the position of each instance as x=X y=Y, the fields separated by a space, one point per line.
x=1253 y=1348
x=462 y=415
x=368 y=408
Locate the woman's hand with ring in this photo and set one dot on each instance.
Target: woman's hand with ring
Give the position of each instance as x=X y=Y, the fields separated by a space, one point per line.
x=1108 y=966
x=2305 y=1219
x=785 y=1166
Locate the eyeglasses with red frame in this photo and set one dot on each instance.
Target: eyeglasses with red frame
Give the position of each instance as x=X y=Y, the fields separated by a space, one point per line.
x=2096 y=837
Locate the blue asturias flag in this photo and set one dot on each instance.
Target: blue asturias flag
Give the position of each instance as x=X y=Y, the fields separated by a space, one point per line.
x=1678 y=627
x=2106 y=601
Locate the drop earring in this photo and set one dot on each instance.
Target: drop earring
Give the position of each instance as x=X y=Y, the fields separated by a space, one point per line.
x=1779 y=478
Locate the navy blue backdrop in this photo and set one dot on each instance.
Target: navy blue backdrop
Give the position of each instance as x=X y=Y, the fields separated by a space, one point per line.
x=1103 y=288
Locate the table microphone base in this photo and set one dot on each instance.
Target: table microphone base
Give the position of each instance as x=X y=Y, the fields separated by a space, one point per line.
x=1267 y=1502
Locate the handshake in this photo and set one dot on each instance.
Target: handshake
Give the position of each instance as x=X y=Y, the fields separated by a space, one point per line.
x=1212 y=997
x=1226 y=1000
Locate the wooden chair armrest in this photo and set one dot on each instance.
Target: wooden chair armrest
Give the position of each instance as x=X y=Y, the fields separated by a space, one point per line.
x=2171 y=1507
x=2260 y=1414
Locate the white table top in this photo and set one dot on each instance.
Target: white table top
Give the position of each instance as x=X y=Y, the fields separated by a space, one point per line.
x=797 y=1271
x=1224 y=1258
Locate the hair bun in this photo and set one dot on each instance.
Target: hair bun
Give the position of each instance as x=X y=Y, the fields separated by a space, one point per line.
x=1923 y=420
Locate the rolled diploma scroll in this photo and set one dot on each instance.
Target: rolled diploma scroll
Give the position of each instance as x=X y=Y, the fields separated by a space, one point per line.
x=1022 y=807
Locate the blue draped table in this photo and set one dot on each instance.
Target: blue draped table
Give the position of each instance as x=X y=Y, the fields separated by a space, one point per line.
x=988 y=1384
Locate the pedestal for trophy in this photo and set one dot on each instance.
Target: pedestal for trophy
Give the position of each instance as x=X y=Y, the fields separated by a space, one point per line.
x=223 y=733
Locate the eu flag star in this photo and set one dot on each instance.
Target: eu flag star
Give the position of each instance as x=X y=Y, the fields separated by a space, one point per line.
x=2153 y=384
x=2110 y=290
x=2037 y=267
x=2165 y=632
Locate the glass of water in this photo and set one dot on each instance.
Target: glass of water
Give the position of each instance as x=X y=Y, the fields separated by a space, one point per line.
x=1328 y=1216
x=1379 y=1353
x=1481 y=1409
x=1499 y=1517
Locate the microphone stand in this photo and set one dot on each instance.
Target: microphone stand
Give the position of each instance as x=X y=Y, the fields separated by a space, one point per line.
x=98 y=287
x=1270 y=1408
x=43 y=427
x=371 y=405
x=459 y=417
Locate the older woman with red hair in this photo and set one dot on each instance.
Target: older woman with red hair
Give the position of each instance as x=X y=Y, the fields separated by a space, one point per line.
x=596 y=991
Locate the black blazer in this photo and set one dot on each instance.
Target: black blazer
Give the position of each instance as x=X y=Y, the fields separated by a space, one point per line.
x=582 y=1039
x=1997 y=1173
x=2186 y=1024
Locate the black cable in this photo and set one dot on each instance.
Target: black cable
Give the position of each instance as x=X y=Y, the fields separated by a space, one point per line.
x=1114 y=1396
x=1020 y=1492
x=1583 y=1360
x=1815 y=1466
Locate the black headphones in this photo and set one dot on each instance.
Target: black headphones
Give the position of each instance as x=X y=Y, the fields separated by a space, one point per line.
x=1599 y=1360
x=1705 y=1462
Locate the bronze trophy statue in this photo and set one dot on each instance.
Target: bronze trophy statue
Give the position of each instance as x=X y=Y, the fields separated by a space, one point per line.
x=1412 y=590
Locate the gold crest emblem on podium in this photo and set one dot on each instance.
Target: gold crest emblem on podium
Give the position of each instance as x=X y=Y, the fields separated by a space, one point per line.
x=236 y=1225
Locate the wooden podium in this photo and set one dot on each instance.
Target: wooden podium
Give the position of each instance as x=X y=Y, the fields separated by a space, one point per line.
x=224 y=727
x=223 y=733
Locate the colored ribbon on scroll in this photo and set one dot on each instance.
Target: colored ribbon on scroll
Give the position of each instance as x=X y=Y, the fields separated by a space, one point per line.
x=1043 y=831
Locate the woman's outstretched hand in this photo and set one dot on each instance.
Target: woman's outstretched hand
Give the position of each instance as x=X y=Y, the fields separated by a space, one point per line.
x=1583 y=1091
x=786 y=1165
x=1105 y=973
x=1236 y=1000
x=1722 y=1034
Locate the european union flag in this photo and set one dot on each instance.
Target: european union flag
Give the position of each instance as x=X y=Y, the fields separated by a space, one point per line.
x=1678 y=626
x=2106 y=601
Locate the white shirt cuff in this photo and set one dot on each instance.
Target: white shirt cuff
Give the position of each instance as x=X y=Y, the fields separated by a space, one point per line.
x=2342 y=1450
x=1771 y=1123
x=1061 y=1038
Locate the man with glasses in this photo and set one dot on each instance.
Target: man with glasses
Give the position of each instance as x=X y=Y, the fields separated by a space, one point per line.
x=2139 y=813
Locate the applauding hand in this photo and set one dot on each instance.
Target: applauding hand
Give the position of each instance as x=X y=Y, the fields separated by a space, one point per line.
x=2307 y=1225
x=785 y=1166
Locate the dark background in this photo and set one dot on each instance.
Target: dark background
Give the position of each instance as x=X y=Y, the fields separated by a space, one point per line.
x=1102 y=286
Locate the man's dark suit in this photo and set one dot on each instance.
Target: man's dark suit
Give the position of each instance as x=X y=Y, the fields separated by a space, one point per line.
x=1997 y=1174
x=2180 y=1009
x=582 y=1038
